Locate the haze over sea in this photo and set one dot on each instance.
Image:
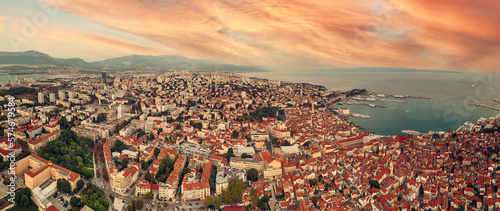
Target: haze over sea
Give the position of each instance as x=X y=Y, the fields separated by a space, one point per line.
x=448 y=108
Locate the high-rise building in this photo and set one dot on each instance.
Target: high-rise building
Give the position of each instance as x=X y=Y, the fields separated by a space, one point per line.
x=40 y=97
x=71 y=94
x=52 y=97
x=103 y=78
x=62 y=95
x=119 y=111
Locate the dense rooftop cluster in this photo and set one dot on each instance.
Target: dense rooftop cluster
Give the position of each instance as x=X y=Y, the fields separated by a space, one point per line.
x=170 y=134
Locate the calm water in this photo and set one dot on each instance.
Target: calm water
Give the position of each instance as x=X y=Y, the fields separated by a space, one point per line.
x=4 y=79
x=447 y=110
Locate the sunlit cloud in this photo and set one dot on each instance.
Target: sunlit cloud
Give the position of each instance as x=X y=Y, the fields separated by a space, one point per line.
x=446 y=34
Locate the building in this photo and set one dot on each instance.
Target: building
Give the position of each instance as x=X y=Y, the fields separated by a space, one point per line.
x=103 y=77
x=72 y=94
x=34 y=145
x=192 y=190
x=120 y=181
x=344 y=111
x=167 y=190
x=52 y=97
x=247 y=164
x=35 y=171
x=40 y=98
x=62 y=95
x=272 y=168
x=8 y=148
x=221 y=182
x=142 y=188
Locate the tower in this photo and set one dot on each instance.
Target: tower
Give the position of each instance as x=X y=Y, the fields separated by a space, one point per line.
x=40 y=97
x=62 y=95
x=52 y=97
x=103 y=77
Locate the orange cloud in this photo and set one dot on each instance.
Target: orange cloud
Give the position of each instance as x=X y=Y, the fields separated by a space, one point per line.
x=445 y=34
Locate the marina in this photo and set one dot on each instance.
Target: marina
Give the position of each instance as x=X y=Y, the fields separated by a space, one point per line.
x=366 y=104
x=360 y=116
x=491 y=104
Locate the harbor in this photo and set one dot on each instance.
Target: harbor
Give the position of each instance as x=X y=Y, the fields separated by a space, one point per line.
x=366 y=104
x=490 y=104
x=360 y=116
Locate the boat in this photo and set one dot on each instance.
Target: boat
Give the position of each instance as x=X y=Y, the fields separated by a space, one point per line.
x=340 y=103
x=370 y=99
x=371 y=105
x=381 y=95
x=474 y=85
x=399 y=96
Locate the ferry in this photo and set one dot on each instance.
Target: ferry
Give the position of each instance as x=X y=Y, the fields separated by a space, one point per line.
x=474 y=84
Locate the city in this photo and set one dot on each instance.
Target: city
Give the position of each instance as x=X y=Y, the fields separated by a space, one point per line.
x=208 y=140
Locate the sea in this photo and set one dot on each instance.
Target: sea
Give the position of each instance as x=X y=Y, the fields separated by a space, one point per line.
x=450 y=93
x=6 y=79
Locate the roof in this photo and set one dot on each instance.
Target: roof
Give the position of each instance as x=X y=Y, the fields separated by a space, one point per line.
x=233 y=208
x=52 y=208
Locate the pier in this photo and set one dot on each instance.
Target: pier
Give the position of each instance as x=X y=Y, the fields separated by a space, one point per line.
x=360 y=116
x=365 y=104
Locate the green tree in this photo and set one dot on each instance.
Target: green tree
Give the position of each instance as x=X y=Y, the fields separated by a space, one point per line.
x=254 y=198
x=75 y=201
x=125 y=162
x=79 y=184
x=234 y=192
x=63 y=186
x=245 y=155
x=374 y=184
x=252 y=175
x=101 y=117
x=149 y=196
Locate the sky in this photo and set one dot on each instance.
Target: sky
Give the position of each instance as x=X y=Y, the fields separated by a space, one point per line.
x=459 y=35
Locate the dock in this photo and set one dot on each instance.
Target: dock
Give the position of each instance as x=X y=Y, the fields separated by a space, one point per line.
x=360 y=116
x=365 y=104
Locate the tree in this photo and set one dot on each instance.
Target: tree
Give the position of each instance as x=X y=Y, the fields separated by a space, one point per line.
x=374 y=184
x=263 y=203
x=229 y=154
x=254 y=198
x=63 y=186
x=125 y=162
x=149 y=196
x=101 y=117
x=235 y=134
x=23 y=197
x=233 y=192
x=314 y=200
x=245 y=155
x=157 y=151
x=75 y=201
x=140 y=204
x=252 y=175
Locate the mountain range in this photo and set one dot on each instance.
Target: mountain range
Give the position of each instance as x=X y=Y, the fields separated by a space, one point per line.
x=30 y=62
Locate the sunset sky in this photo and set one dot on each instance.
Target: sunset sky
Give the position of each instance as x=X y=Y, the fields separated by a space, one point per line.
x=460 y=35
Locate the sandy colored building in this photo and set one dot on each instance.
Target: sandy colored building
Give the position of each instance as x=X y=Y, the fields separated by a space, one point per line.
x=34 y=171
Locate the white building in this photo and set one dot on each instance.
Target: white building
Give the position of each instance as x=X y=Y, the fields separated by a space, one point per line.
x=52 y=97
x=62 y=95
x=40 y=98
